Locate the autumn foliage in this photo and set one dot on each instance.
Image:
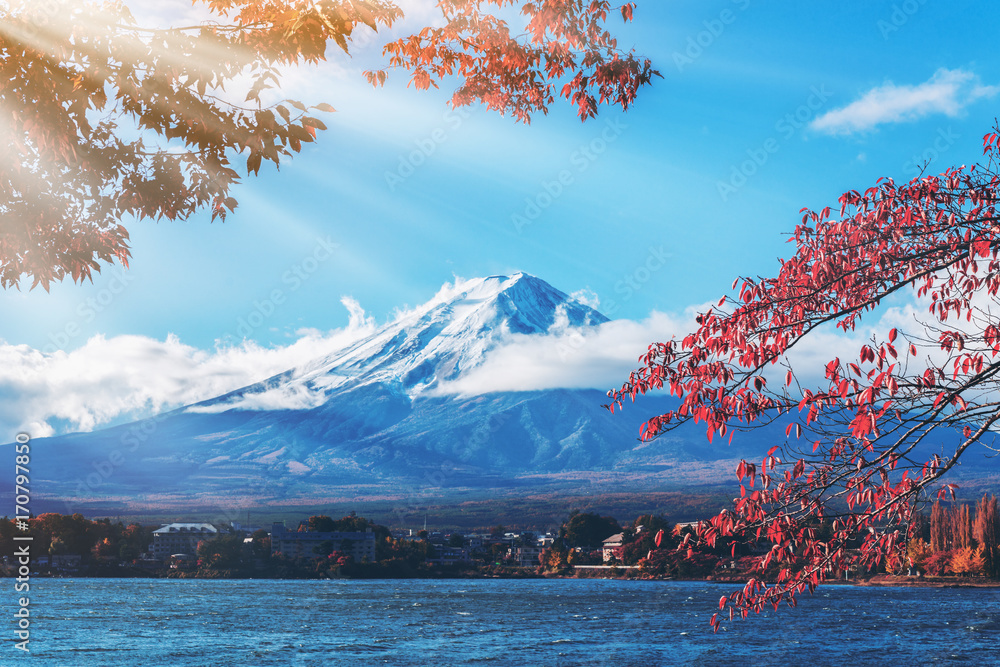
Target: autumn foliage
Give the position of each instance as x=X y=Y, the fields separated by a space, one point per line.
x=986 y=532
x=964 y=540
x=562 y=49
x=104 y=120
x=864 y=433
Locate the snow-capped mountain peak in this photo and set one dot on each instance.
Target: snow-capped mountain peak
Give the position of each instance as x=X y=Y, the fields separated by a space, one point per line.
x=426 y=345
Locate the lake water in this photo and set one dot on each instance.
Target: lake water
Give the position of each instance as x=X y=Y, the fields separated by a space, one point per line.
x=491 y=622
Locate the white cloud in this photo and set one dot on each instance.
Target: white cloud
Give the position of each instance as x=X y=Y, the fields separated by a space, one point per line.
x=587 y=297
x=948 y=92
x=599 y=357
x=285 y=397
x=602 y=357
x=125 y=376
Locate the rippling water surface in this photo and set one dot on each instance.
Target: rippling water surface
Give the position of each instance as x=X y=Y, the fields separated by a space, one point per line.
x=493 y=622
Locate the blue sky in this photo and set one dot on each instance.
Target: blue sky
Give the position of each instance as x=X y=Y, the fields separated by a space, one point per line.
x=763 y=108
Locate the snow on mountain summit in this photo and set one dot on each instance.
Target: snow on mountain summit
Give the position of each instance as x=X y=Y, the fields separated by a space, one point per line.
x=452 y=332
x=423 y=346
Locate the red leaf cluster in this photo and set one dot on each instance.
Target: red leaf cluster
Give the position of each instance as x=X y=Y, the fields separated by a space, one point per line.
x=867 y=420
x=518 y=69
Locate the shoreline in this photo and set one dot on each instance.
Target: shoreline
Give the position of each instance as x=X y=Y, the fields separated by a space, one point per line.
x=877 y=581
x=892 y=581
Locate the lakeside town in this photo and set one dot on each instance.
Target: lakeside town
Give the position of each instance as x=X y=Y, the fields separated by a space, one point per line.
x=953 y=544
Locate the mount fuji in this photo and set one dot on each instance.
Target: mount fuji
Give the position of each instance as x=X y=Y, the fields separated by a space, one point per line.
x=424 y=348
x=376 y=422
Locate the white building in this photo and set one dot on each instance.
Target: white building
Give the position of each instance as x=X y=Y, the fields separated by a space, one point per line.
x=181 y=538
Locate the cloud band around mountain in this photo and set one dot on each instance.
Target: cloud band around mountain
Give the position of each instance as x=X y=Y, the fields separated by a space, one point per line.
x=109 y=379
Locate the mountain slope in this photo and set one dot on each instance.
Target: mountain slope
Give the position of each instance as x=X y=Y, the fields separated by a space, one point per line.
x=366 y=422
